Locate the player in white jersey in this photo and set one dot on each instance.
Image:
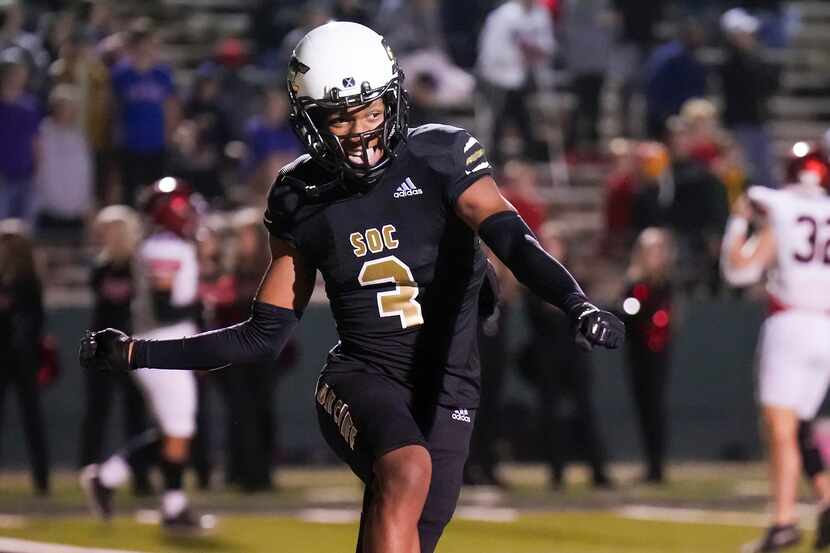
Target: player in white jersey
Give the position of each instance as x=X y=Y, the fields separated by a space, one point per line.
x=168 y=271
x=792 y=248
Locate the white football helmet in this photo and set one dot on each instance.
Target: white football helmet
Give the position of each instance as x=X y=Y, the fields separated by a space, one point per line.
x=343 y=65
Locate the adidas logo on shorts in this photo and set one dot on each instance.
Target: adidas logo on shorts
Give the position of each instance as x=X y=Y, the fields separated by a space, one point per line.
x=407 y=188
x=461 y=415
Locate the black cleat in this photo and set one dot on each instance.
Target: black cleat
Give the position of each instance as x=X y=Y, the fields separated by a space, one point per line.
x=823 y=530
x=187 y=523
x=776 y=538
x=99 y=497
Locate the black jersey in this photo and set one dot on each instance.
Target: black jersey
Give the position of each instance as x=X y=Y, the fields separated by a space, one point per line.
x=402 y=271
x=114 y=289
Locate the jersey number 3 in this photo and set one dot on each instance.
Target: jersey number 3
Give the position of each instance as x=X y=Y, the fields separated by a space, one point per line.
x=399 y=302
x=815 y=248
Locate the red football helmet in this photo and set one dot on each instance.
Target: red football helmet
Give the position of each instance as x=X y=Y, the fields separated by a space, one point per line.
x=808 y=164
x=171 y=204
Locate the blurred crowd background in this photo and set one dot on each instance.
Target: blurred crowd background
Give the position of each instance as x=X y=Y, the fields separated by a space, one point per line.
x=622 y=130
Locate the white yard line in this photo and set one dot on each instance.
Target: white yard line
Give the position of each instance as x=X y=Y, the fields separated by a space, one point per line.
x=12 y=521
x=350 y=516
x=708 y=516
x=8 y=545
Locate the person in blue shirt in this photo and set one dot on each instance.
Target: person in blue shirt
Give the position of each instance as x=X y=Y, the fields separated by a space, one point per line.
x=271 y=142
x=145 y=94
x=673 y=74
x=20 y=118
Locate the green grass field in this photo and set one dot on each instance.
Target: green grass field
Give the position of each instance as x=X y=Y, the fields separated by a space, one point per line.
x=726 y=501
x=589 y=532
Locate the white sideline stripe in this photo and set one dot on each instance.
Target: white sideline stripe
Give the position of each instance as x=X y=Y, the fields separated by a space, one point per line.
x=334 y=494
x=350 y=516
x=470 y=143
x=329 y=516
x=487 y=514
x=704 y=516
x=8 y=545
x=12 y=521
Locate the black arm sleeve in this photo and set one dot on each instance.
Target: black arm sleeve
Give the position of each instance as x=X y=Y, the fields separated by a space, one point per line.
x=260 y=338
x=514 y=243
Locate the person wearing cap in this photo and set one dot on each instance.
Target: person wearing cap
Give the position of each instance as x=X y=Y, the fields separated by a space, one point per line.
x=748 y=82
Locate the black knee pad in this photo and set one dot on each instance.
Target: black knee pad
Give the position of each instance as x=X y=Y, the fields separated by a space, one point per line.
x=810 y=455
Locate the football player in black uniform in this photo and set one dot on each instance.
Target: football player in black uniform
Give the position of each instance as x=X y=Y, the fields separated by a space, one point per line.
x=393 y=219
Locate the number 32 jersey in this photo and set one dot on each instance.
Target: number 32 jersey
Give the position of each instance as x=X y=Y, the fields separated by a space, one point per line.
x=800 y=219
x=402 y=271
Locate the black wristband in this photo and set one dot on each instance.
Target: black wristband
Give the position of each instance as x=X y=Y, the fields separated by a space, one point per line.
x=514 y=243
x=258 y=339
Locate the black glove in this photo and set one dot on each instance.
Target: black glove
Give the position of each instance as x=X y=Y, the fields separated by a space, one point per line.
x=594 y=327
x=105 y=350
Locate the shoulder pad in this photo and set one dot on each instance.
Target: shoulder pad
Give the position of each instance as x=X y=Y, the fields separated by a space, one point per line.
x=451 y=152
x=434 y=135
x=762 y=197
x=289 y=193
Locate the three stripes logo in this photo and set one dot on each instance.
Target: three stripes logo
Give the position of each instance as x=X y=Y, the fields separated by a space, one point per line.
x=461 y=415
x=407 y=188
x=476 y=161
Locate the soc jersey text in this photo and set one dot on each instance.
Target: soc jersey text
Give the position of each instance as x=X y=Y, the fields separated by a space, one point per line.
x=402 y=271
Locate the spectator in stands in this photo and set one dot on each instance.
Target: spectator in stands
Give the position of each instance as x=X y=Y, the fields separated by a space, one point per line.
x=59 y=28
x=517 y=36
x=270 y=140
x=520 y=185
x=695 y=208
x=620 y=187
x=20 y=118
x=700 y=119
x=748 y=82
x=21 y=330
x=239 y=87
x=654 y=185
x=145 y=95
x=560 y=373
x=711 y=146
x=647 y=306
x=436 y=85
x=462 y=21
x=270 y=21
x=80 y=66
x=312 y=14
x=14 y=36
x=410 y=25
x=208 y=130
x=116 y=231
x=673 y=74
x=681 y=194
x=96 y=19
x=351 y=10
x=65 y=172
x=637 y=22
x=586 y=39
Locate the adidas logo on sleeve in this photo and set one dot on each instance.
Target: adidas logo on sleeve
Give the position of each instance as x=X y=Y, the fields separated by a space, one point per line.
x=407 y=188
x=461 y=415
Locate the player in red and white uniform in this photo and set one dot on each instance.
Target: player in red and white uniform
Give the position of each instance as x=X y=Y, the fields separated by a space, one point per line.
x=792 y=248
x=169 y=273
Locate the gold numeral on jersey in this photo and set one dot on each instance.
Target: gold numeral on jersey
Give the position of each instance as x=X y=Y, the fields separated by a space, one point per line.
x=399 y=302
